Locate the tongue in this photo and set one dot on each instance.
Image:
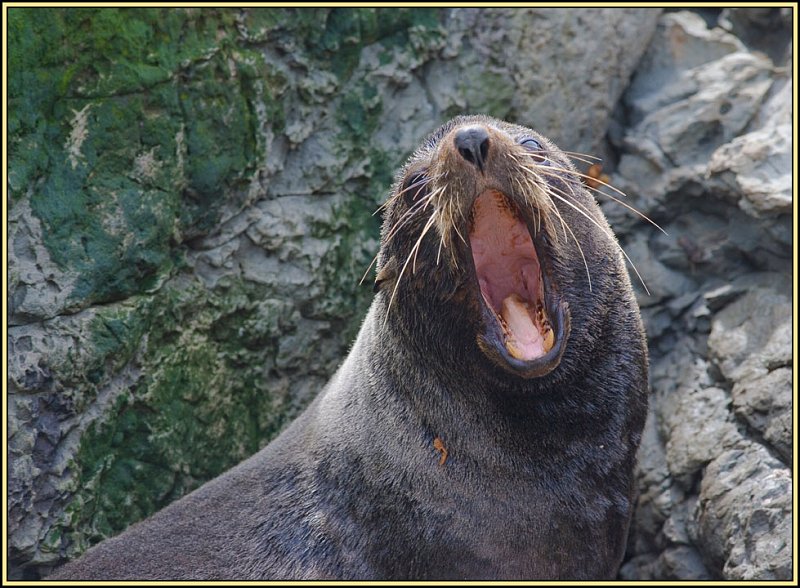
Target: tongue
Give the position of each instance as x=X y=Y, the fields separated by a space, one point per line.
x=524 y=341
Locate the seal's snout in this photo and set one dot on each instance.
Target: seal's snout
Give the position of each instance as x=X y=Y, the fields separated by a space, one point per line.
x=472 y=144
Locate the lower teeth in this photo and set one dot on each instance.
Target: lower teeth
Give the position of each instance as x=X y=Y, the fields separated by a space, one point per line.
x=525 y=328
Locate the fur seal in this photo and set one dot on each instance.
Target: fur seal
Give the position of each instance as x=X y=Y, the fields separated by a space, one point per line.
x=484 y=424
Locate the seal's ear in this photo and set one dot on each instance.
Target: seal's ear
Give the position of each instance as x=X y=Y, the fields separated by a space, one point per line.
x=387 y=274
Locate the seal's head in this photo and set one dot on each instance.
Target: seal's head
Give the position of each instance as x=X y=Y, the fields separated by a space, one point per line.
x=492 y=244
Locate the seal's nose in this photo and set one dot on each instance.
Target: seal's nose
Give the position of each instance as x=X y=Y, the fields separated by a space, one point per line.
x=473 y=145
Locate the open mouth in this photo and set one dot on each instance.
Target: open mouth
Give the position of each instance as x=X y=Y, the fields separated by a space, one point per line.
x=518 y=325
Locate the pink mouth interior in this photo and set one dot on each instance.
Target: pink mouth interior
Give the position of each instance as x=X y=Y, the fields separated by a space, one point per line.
x=509 y=276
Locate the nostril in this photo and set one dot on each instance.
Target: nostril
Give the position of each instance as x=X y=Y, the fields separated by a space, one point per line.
x=466 y=154
x=473 y=145
x=484 y=148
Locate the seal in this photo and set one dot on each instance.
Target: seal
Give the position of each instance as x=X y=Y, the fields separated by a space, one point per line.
x=486 y=420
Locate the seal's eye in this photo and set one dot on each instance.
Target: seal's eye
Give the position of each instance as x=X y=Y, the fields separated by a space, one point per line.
x=415 y=187
x=536 y=149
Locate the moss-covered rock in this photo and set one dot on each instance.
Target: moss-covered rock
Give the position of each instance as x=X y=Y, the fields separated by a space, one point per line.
x=129 y=129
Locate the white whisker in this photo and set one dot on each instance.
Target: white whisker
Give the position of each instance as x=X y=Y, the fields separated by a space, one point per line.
x=607 y=232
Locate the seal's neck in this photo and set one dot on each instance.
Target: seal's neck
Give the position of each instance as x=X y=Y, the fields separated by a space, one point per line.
x=444 y=395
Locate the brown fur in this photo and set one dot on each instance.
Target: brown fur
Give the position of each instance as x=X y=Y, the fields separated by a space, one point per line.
x=425 y=456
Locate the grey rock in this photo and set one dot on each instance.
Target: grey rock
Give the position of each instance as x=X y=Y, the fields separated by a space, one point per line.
x=707 y=107
x=751 y=341
x=739 y=21
x=38 y=288
x=743 y=520
x=682 y=562
x=675 y=527
x=719 y=297
x=756 y=169
x=694 y=416
x=698 y=425
x=677 y=305
x=753 y=335
x=49 y=410
x=504 y=67
x=764 y=29
x=695 y=90
x=654 y=504
x=766 y=404
x=640 y=568
x=777 y=108
x=662 y=283
x=657 y=321
x=705 y=153
x=699 y=318
x=682 y=43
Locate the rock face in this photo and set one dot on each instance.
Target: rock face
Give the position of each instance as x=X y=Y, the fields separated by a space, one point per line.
x=190 y=211
x=706 y=153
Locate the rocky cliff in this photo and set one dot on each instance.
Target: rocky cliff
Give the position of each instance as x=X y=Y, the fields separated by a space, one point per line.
x=190 y=212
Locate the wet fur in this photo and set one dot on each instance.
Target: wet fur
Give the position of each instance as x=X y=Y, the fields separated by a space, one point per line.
x=538 y=482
